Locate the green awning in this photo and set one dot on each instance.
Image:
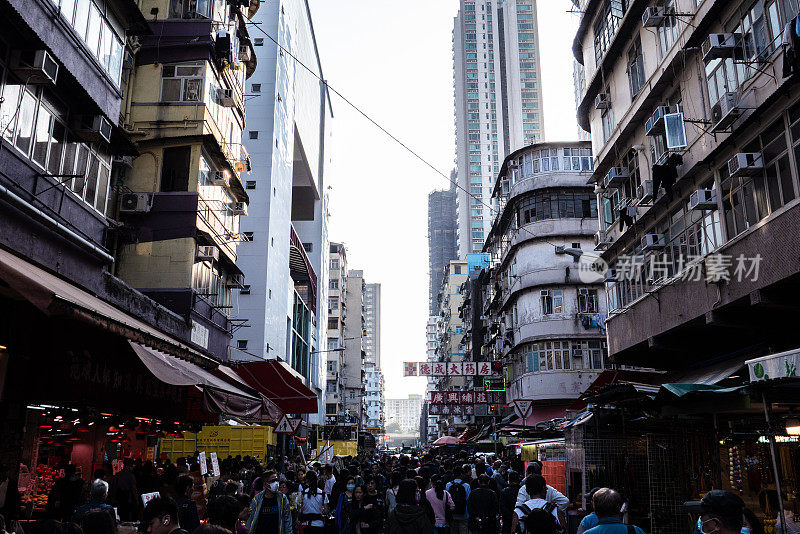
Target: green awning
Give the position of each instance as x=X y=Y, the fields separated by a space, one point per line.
x=681 y=390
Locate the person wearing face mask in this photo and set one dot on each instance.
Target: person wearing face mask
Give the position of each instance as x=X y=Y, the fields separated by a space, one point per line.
x=270 y=512
x=344 y=508
x=720 y=512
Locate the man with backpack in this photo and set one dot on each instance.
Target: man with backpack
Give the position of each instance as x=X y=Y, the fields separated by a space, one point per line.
x=536 y=487
x=459 y=490
x=483 y=507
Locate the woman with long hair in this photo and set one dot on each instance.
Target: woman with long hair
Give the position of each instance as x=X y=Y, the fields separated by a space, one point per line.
x=409 y=516
x=442 y=504
x=314 y=505
x=344 y=508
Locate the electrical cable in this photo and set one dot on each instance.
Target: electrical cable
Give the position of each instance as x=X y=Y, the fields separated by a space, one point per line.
x=387 y=132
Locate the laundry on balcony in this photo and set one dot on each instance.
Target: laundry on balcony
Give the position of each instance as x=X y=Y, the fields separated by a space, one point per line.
x=594 y=320
x=791 y=47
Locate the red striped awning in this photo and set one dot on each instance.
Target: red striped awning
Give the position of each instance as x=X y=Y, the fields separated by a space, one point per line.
x=280 y=384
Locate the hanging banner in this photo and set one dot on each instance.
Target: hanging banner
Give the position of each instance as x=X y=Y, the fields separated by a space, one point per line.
x=410 y=369
x=215 y=472
x=467 y=397
x=202 y=462
x=781 y=365
x=455 y=369
x=425 y=369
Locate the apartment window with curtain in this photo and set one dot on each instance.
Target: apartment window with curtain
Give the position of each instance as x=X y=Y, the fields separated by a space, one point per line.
x=606 y=25
x=636 y=77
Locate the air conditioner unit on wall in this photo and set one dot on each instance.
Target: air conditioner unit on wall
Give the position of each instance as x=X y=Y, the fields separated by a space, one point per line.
x=602 y=101
x=219 y=178
x=745 y=164
x=722 y=45
x=135 y=203
x=244 y=53
x=703 y=199
x=645 y=192
x=725 y=112
x=655 y=124
x=616 y=177
x=653 y=17
x=238 y=208
x=653 y=242
x=93 y=128
x=207 y=253
x=601 y=241
x=34 y=66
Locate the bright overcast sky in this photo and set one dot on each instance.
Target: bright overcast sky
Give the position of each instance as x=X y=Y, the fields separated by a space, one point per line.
x=394 y=60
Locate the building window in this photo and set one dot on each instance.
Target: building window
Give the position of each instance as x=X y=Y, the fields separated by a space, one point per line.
x=182 y=83
x=258 y=41
x=241 y=344
x=606 y=26
x=608 y=123
x=253 y=134
x=668 y=30
x=555 y=204
x=250 y=184
x=587 y=300
x=190 y=9
x=333 y=323
x=636 y=77
x=335 y=264
x=245 y=290
x=248 y=236
x=256 y=87
x=334 y=283
x=552 y=301
x=333 y=303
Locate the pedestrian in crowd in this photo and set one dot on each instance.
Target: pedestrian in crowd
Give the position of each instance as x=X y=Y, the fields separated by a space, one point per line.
x=187 y=508
x=459 y=489
x=160 y=516
x=442 y=504
x=540 y=521
x=391 y=492
x=408 y=517
x=483 y=507
x=553 y=495
x=590 y=520
x=607 y=504
x=97 y=502
x=499 y=475
x=244 y=513
x=314 y=505
x=365 y=514
x=224 y=512
x=269 y=510
x=344 y=508
x=536 y=488
x=124 y=492
x=377 y=499
x=508 y=500
x=339 y=486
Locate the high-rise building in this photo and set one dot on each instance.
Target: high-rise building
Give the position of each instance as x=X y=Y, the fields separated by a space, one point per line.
x=498 y=102
x=405 y=412
x=372 y=323
x=442 y=241
x=337 y=311
x=285 y=258
x=353 y=372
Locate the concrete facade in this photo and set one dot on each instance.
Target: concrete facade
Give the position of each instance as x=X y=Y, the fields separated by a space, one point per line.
x=737 y=102
x=337 y=311
x=405 y=412
x=442 y=239
x=498 y=103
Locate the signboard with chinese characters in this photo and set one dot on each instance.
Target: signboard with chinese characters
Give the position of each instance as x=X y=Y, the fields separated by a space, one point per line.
x=410 y=369
x=448 y=369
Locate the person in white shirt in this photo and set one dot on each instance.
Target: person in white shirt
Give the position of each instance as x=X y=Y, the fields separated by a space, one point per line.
x=330 y=480
x=553 y=495
x=536 y=487
x=314 y=505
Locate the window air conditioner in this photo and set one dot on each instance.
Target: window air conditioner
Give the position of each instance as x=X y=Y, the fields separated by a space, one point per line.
x=601 y=241
x=725 y=112
x=616 y=177
x=560 y=249
x=235 y=280
x=602 y=101
x=722 y=45
x=93 y=128
x=653 y=242
x=124 y=161
x=218 y=178
x=655 y=124
x=653 y=17
x=135 y=203
x=645 y=192
x=226 y=98
x=745 y=164
x=238 y=208
x=244 y=53
x=34 y=66
x=207 y=253
x=703 y=199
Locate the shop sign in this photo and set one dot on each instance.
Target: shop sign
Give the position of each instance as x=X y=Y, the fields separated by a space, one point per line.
x=781 y=365
x=147 y=497
x=203 y=465
x=199 y=334
x=447 y=369
x=215 y=465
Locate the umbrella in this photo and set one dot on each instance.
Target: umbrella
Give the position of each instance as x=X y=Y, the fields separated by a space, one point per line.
x=446 y=440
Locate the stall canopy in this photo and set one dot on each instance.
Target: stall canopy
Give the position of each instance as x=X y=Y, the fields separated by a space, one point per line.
x=218 y=395
x=539 y=415
x=278 y=383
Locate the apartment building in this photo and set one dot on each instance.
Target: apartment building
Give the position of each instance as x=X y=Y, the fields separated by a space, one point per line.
x=694 y=121
x=498 y=103
x=442 y=238
x=353 y=374
x=546 y=318
x=337 y=311
x=405 y=412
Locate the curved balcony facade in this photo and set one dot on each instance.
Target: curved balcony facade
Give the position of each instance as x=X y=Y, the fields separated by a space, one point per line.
x=551 y=334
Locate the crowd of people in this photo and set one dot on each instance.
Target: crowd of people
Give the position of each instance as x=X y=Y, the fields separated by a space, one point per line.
x=380 y=495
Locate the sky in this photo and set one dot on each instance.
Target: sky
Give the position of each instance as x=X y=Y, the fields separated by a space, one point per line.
x=394 y=61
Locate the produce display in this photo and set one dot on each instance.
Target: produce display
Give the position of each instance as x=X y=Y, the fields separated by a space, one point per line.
x=38 y=491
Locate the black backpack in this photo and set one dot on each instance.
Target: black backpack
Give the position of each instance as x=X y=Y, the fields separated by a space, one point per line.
x=459 y=495
x=549 y=507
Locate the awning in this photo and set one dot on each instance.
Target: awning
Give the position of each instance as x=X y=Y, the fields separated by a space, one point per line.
x=539 y=415
x=280 y=384
x=712 y=374
x=780 y=365
x=271 y=410
x=47 y=292
x=682 y=390
x=218 y=395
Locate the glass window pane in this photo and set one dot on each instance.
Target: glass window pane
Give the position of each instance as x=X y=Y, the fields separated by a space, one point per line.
x=93 y=30
x=115 y=63
x=105 y=47
x=56 y=148
x=8 y=109
x=70 y=149
x=193 y=90
x=81 y=17
x=68 y=9
x=25 y=122
x=42 y=136
x=91 y=180
x=171 y=90
x=102 y=189
x=79 y=183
